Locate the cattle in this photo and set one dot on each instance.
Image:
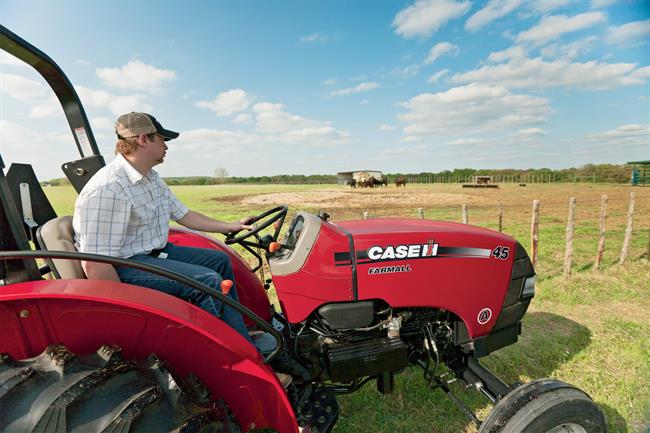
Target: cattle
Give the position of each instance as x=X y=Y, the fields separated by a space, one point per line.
x=369 y=182
x=352 y=183
x=400 y=181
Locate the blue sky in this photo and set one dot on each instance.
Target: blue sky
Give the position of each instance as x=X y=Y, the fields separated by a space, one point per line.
x=263 y=88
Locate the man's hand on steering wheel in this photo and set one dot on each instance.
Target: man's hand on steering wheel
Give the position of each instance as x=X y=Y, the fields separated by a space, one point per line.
x=256 y=224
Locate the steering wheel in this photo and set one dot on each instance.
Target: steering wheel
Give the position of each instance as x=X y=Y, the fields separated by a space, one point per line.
x=267 y=218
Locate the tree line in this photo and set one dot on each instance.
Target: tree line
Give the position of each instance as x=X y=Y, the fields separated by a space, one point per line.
x=611 y=173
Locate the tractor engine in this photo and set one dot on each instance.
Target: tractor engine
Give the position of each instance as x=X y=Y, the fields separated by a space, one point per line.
x=347 y=342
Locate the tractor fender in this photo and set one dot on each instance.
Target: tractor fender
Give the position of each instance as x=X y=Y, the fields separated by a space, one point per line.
x=85 y=314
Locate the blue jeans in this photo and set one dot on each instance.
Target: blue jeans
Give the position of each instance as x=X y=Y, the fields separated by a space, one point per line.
x=204 y=265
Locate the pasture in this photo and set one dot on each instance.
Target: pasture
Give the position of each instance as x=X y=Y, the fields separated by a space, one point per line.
x=592 y=329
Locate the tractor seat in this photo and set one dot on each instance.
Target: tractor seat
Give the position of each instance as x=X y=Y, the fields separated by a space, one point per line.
x=58 y=235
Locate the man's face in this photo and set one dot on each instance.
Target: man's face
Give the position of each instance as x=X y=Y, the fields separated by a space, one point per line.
x=156 y=149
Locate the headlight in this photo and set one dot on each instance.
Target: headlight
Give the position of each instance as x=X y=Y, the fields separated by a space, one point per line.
x=528 y=291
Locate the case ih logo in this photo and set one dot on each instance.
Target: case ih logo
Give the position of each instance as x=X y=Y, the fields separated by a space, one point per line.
x=429 y=250
x=409 y=251
x=484 y=316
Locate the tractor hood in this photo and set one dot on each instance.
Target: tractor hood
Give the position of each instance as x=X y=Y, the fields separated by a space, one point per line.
x=408 y=226
x=405 y=262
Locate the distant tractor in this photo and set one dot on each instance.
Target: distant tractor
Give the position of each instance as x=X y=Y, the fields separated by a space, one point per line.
x=640 y=173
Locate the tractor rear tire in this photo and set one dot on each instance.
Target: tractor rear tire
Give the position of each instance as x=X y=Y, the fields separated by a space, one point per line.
x=59 y=392
x=545 y=406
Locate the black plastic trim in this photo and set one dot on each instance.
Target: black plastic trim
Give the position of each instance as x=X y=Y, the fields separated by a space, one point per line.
x=355 y=290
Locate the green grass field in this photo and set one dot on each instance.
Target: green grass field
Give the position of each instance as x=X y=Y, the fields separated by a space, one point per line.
x=592 y=329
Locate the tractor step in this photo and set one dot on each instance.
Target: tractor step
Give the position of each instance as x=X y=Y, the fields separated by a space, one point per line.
x=59 y=392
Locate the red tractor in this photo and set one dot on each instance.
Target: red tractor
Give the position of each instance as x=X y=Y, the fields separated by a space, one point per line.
x=360 y=301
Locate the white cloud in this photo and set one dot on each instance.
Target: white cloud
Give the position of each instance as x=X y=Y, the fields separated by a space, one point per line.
x=9 y=60
x=599 y=4
x=50 y=107
x=279 y=125
x=553 y=26
x=546 y=6
x=116 y=104
x=363 y=87
x=243 y=118
x=102 y=123
x=629 y=33
x=363 y=102
x=17 y=137
x=384 y=127
x=216 y=140
x=528 y=135
x=137 y=76
x=438 y=75
x=314 y=37
x=329 y=82
x=495 y=9
x=21 y=88
x=626 y=135
x=471 y=108
x=227 y=103
x=440 y=49
x=406 y=72
x=569 y=51
x=523 y=72
x=466 y=141
x=394 y=153
x=22 y=144
x=515 y=51
x=425 y=17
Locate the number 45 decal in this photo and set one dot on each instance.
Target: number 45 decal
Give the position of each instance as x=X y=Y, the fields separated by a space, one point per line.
x=501 y=252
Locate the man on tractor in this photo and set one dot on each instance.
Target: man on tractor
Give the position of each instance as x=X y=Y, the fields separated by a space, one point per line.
x=124 y=211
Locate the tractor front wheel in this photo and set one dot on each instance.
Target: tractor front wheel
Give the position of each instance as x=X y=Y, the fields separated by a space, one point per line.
x=545 y=406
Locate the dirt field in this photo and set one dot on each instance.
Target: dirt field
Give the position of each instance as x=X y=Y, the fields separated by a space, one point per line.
x=346 y=202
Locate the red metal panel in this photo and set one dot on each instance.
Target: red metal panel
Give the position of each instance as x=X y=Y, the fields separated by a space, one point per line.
x=462 y=283
x=84 y=314
x=455 y=279
x=319 y=281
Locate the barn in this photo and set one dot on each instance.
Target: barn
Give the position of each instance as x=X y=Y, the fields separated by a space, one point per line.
x=344 y=177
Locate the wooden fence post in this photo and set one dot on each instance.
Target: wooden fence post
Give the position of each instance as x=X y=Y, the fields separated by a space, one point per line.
x=534 y=233
x=568 y=251
x=365 y=215
x=647 y=253
x=601 y=241
x=500 y=217
x=420 y=213
x=465 y=215
x=628 y=230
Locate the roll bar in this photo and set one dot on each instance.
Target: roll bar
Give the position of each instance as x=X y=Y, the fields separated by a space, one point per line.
x=59 y=83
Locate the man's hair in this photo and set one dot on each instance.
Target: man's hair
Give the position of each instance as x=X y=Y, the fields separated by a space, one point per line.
x=126 y=146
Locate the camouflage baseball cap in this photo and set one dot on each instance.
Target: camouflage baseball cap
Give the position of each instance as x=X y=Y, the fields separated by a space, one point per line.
x=133 y=124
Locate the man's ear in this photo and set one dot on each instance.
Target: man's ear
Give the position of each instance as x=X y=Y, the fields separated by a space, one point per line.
x=142 y=138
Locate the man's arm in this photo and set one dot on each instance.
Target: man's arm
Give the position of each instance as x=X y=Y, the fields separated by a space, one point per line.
x=197 y=221
x=100 y=271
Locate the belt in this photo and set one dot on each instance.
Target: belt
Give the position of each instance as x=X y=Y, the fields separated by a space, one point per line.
x=159 y=253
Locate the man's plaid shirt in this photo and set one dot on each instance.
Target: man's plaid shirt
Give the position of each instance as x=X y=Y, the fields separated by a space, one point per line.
x=122 y=213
